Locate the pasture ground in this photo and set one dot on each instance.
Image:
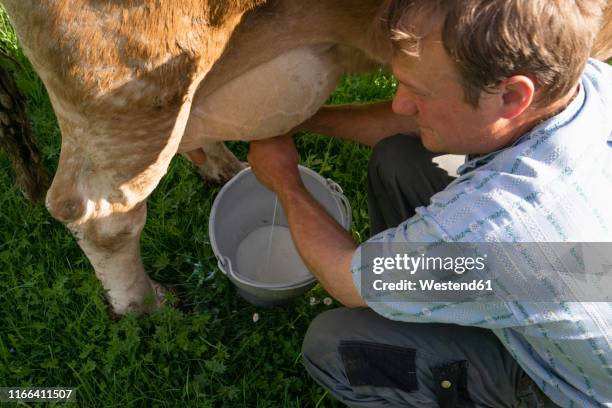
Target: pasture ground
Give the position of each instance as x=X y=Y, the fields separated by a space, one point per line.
x=207 y=352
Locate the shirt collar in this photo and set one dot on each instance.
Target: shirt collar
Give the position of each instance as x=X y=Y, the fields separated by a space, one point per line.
x=547 y=126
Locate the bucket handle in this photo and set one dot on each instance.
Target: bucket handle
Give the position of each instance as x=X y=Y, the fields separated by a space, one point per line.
x=344 y=202
x=224 y=264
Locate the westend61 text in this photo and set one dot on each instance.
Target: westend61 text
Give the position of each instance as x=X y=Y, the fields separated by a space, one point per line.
x=430 y=284
x=403 y=262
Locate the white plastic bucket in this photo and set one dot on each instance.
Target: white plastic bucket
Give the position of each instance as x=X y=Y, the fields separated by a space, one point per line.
x=244 y=205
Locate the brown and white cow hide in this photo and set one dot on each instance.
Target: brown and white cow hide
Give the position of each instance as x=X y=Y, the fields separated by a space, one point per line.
x=133 y=83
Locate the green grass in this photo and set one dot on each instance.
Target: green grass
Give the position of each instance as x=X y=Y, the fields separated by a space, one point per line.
x=54 y=326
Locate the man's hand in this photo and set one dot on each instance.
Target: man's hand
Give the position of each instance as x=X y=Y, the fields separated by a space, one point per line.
x=274 y=162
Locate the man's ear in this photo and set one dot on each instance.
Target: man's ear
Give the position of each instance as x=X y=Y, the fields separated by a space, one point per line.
x=517 y=94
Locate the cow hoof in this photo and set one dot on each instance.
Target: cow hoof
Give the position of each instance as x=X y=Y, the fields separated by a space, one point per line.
x=160 y=296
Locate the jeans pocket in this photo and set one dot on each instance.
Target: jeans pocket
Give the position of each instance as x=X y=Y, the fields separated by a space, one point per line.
x=379 y=365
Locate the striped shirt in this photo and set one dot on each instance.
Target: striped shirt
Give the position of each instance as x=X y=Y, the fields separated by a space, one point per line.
x=554 y=184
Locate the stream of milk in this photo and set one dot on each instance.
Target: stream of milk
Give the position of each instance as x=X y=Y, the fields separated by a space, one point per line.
x=271 y=235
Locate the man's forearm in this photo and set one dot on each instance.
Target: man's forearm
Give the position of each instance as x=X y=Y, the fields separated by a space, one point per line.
x=325 y=246
x=365 y=123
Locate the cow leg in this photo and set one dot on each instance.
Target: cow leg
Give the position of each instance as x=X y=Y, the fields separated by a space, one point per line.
x=109 y=234
x=215 y=162
x=107 y=226
x=106 y=172
x=112 y=244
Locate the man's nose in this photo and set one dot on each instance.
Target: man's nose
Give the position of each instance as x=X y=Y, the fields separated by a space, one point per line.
x=403 y=102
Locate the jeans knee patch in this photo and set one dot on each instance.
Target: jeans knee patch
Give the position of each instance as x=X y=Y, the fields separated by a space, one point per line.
x=450 y=382
x=379 y=365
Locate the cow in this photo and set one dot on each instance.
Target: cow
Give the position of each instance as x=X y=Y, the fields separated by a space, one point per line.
x=135 y=82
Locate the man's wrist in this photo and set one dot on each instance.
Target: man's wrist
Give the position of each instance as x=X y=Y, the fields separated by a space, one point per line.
x=291 y=191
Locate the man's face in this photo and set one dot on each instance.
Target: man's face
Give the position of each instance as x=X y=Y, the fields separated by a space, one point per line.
x=430 y=90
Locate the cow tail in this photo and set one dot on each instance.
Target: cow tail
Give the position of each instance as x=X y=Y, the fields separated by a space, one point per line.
x=17 y=141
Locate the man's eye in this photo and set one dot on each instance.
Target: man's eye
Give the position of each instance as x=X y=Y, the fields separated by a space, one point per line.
x=415 y=91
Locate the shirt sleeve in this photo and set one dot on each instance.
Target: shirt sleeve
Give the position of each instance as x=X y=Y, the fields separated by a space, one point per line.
x=423 y=228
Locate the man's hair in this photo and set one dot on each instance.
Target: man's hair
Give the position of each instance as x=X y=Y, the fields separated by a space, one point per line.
x=490 y=40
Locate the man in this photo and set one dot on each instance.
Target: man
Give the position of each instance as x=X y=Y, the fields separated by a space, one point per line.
x=508 y=84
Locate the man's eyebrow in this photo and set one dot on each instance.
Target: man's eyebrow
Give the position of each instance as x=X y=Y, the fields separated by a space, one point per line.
x=410 y=85
x=413 y=87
